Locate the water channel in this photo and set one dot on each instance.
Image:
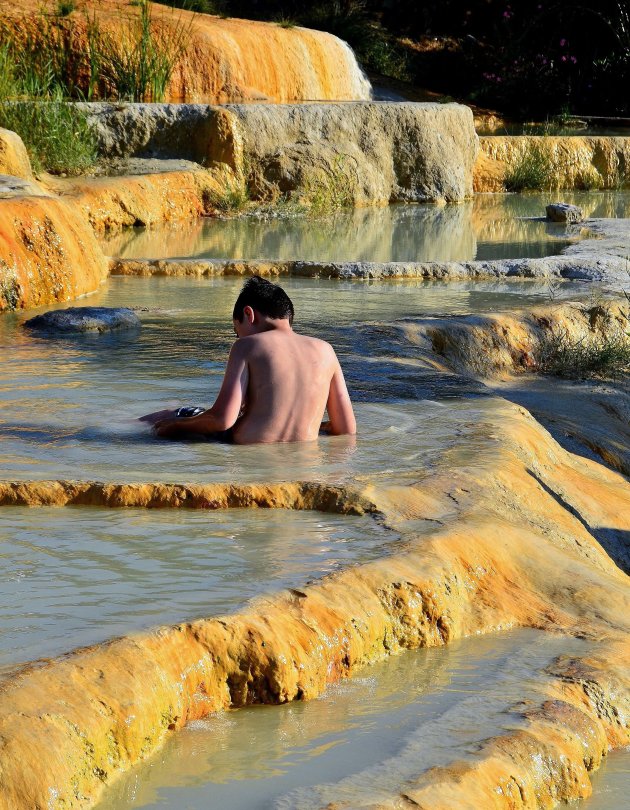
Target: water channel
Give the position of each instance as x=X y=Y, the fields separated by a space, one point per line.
x=362 y=741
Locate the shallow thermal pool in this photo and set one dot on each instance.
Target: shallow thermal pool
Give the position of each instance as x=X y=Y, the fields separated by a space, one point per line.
x=76 y=576
x=69 y=405
x=491 y=226
x=364 y=739
x=610 y=783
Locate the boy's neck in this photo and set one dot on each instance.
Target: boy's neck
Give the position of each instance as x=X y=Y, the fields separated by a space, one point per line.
x=278 y=324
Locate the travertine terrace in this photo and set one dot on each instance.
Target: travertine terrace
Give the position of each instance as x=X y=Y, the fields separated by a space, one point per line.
x=229 y=59
x=521 y=521
x=515 y=545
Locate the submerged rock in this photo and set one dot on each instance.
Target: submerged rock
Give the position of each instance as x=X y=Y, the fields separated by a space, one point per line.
x=85 y=319
x=564 y=212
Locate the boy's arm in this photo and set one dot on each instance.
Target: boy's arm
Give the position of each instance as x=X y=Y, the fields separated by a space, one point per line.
x=340 y=412
x=227 y=407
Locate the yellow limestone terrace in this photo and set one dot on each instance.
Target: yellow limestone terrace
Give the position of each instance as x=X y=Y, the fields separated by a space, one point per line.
x=48 y=253
x=517 y=544
x=575 y=162
x=226 y=59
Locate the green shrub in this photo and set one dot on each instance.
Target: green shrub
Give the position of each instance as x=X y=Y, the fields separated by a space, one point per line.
x=534 y=170
x=562 y=356
x=285 y=22
x=65 y=7
x=56 y=134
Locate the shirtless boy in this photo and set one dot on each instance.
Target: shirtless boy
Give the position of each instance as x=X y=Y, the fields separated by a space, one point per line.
x=277 y=383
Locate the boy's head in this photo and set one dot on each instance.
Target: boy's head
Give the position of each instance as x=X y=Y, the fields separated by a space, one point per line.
x=266 y=298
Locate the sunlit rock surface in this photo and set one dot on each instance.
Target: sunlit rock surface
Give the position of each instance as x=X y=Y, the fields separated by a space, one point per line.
x=591 y=416
x=576 y=161
x=176 y=192
x=524 y=533
x=378 y=153
x=495 y=344
x=226 y=59
x=14 y=158
x=48 y=252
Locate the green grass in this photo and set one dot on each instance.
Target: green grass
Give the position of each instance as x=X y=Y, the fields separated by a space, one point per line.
x=534 y=170
x=330 y=190
x=234 y=198
x=135 y=63
x=56 y=134
x=562 y=356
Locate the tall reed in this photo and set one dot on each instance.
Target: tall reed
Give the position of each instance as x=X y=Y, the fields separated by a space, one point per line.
x=137 y=63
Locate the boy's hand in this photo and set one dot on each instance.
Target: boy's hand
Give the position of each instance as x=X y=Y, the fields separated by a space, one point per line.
x=166 y=428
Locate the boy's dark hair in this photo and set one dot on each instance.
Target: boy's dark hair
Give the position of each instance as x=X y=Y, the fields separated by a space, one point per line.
x=267 y=298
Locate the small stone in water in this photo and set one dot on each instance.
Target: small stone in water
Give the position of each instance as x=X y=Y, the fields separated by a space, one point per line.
x=85 y=319
x=563 y=212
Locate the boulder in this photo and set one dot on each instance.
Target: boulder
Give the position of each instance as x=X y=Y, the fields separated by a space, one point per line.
x=375 y=152
x=564 y=212
x=85 y=319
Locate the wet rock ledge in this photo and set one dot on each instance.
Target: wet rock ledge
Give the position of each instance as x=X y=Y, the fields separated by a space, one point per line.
x=379 y=152
x=602 y=257
x=523 y=534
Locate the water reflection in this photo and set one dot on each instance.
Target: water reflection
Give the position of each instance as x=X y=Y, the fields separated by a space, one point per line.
x=492 y=226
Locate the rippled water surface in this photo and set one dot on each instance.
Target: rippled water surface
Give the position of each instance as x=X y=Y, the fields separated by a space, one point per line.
x=69 y=405
x=491 y=226
x=75 y=576
x=362 y=740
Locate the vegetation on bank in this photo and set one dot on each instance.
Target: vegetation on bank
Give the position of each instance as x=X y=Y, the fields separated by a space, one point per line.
x=605 y=355
x=533 y=170
x=323 y=192
x=51 y=60
x=562 y=356
x=527 y=59
x=56 y=134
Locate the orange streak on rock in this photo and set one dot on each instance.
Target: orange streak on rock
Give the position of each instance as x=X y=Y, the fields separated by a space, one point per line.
x=509 y=553
x=48 y=253
x=226 y=59
x=112 y=203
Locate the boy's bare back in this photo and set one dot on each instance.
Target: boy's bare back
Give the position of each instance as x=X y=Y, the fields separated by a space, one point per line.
x=277 y=383
x=289 y=380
